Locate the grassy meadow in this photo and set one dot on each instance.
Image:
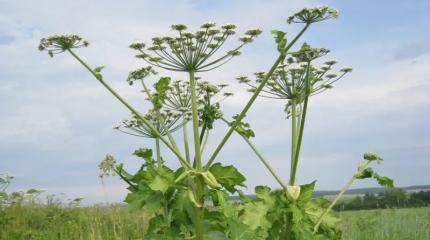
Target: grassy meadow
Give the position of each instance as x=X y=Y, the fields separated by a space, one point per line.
x=46 y=222
x=387 y=224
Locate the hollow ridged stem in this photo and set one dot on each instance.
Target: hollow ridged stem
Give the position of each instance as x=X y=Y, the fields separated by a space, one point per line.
x=185 y=132
x=134 y=111
x=157 y=147
x=169 y=134
x=262 y=159
x=199 y=183
x=199 y=228
x=293 y=140
x=339 y=196
x=344 y=189
x=303 y=112
x=195 y=119
x=205 y=141
x=244 y=111
x=125 y=179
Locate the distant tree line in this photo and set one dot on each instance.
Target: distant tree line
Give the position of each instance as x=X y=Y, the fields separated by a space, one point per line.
x=391 y=199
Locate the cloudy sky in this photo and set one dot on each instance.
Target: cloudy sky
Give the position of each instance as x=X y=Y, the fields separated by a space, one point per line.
x=56 y=121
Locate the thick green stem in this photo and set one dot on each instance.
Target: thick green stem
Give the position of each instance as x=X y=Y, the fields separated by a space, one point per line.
x=245 y=110
x=262 y=159
x=202 y=133
x=195 y=120
x=199 y=223
x=293 y=140
x=344 y=189
x=200 y=218
x=134 y=111
x=169 y=134
x=339 y=196
x=185 y=131
x=199 y=183
x=205 y=141
x=125 y=179
x=301 y=128
x=157 y=147
x=166 y=213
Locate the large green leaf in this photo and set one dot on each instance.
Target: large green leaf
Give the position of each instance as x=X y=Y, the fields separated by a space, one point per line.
x=306 y=192
x=240 y=231
x=159 y=184
x=263 y=193
x=153 y=202
x=228 y=176
x=225 y=206
x=135 y=200
x=254 y=215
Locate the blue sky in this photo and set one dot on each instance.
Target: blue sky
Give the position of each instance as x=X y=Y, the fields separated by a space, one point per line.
x=56 y=121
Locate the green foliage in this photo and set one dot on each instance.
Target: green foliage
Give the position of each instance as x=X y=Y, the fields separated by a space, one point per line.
x=280 y=40
x=236 y=222
x=55 y=220
x=160 y=194
x=209 y=114
x=393 y=198
x=384 y=181
x=144 y=153
x=161 y=87
x=372 y=157
x=243 y=128
x=363 y=171
x=228 y=176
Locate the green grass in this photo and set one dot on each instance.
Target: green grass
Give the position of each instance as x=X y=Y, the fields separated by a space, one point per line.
x=115 y=222
x=46 y=222
x=388 y=224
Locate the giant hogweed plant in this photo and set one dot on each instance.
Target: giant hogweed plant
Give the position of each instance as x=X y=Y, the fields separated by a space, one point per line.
x=192 y=201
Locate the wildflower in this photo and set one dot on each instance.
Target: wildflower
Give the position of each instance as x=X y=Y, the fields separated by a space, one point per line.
x=140 y=74
x=137 y=45
x=178 y=97
x=312 y=15
x=137 y=127
x=289 y=81
x=59 y=43
x=308 y=54
x=107 y=166
x=192 y=51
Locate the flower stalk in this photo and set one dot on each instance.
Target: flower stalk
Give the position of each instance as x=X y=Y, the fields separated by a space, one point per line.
x=134 y=111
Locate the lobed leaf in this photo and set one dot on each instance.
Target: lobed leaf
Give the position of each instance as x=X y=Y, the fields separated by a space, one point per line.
x=228 y=176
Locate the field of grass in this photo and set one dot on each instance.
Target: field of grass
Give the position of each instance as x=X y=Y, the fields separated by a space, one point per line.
x=47 y=222
x=388 y=224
